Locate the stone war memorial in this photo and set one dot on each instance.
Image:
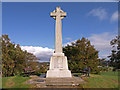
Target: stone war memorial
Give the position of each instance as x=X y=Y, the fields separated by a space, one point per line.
x=58 y=73
x=58 y=62
x=79 y=58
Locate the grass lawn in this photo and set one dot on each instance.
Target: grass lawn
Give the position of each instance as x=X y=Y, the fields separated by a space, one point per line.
x=104 y=80
x=15 y=82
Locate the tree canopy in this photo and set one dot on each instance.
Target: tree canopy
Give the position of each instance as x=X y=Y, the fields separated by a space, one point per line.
x=82 y=54
x=14 y=59
x=115 y=55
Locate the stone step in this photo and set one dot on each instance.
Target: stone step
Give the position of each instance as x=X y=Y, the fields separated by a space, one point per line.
x=63 y=81
x=59 y=83
x=59 y=80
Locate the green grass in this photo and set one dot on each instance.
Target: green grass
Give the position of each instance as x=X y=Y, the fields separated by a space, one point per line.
x=104 y=80
x=15 y=82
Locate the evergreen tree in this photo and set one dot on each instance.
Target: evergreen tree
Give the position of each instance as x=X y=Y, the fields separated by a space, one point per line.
x=82 y=54
x=115 y=56
x=14 y=60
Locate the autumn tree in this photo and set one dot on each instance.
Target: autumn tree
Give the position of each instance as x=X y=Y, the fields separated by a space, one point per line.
x=14 y=60
x=82 y=54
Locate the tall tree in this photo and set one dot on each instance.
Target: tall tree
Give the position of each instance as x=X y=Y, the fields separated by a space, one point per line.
x=82 y=54
x=115 y=55
x=14 y=60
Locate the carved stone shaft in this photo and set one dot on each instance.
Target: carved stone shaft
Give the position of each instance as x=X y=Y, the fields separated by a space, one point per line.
x=58 y=14
x=58 y=62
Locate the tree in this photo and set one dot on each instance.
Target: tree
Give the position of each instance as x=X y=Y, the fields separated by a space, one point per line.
x=115 y=55
x=14 y=60
x=82 y=54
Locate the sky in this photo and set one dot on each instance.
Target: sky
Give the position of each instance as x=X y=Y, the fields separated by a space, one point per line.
x=30 y=25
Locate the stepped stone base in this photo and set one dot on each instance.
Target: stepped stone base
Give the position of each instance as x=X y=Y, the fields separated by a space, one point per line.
x=56 y=82
x=63 y=81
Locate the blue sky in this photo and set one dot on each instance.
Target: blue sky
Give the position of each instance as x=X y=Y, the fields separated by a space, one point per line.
x=30 y=24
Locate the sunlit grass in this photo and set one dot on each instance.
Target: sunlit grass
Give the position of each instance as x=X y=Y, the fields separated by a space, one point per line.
x=104 y=80
x=15 y=82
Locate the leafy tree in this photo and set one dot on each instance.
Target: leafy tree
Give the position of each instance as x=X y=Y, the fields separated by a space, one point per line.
x=82 y=54
x=14 y=60
x=115 y=55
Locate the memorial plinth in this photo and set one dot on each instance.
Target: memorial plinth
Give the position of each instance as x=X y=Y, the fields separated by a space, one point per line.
x=58 y=67
x=58 y=62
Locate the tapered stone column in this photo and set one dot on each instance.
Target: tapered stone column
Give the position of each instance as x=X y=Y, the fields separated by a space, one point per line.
x=58 y=34
x=58 y=62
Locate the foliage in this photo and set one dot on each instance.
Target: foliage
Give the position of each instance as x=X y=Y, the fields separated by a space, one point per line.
x=115 y=56
x=104 y=69
x=43 y=67
x=14 y=60
x=82 y=54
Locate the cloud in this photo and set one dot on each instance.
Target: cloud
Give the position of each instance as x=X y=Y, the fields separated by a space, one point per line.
x=104 y=55
x=68 y=38
x=69 y=43
x=98 y=12
x=101 y=41
x=43 y=53
x=114 y=16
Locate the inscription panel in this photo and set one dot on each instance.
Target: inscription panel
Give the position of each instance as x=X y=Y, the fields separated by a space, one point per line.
x=55 y=62
x=58 y=62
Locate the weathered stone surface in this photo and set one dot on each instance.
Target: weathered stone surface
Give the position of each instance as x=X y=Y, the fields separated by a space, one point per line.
x=58 y=67
x=55 y=82
x=58 y=14
x=58 y=62
x=74 y=81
